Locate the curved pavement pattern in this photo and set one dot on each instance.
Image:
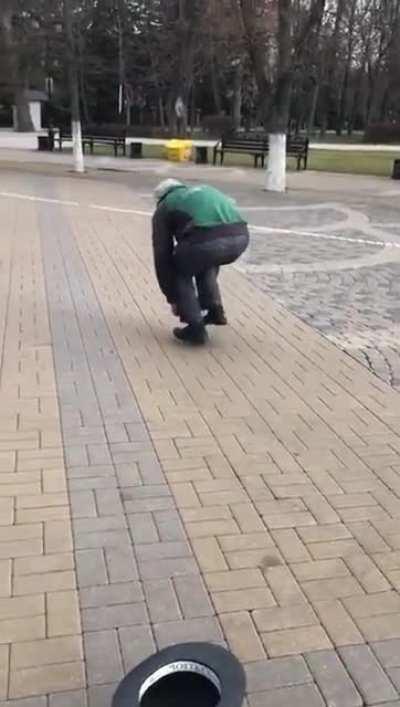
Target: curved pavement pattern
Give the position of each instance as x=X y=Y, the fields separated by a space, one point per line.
x=248 y=494
x=342 y=277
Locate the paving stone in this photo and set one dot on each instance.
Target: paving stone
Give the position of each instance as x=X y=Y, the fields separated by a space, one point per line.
x=367 y=573
x=273 y=674
x=103 y=658
x=281 y=618
x=290 y=545
x=91 y=567
x=25 y=629
x=295 y=641
x=4 y=670
x=162 y=551
x=317 y=570
x=121 y=564
x=169 y=526
x=164 y=569
x=370 y=679
x=193 y=597
x=338 y=624
x=143 y=528
x=162 y=601
x=43 y=563
x=332 y=549
x=373 y=605
x=137 y=644
x=197 y=630
x=101 y=696
x=63 y=616
x=29 y=702
x=106 y=617
x=333 y=680
x=47 y=652
x=243 y=600
x=288 y=696
x=112 y=594
x=108 y=502
x=284 y=586
x=324 y=533
x=41 y=680
x=380 y=628
x=242 y=636
x=20 y=607
x=77 y=698
x=388 y=653
x=394 y=675
x=325 y=589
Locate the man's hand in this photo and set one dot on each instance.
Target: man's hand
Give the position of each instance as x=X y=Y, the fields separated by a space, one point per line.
x=174 y=310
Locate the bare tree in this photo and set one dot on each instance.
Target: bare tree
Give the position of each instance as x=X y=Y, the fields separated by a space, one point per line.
x=287 y=28
x=15 y=70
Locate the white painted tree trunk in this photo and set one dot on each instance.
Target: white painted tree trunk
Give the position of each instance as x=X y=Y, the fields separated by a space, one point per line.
x=79 y=165
x=276 y=170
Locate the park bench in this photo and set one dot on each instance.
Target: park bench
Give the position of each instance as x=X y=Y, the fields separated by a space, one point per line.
x=90 y=139
x=258 y=147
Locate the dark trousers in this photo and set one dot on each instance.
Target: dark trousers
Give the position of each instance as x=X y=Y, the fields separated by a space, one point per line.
x=197 y=267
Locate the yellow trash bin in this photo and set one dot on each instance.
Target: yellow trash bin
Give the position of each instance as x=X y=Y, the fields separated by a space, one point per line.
x=188 y=147
x=178 y=150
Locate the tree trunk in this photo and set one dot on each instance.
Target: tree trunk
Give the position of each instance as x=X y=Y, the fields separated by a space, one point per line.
x=330 y=84
x=375 y=98
x=214 y=86
x=187 y=37
x=237 y=96
x=347 y=69
x=121 y=57
x=276 y=170
x=17 y=81
x=23 y=118
x=313 y=109
x=76 y=128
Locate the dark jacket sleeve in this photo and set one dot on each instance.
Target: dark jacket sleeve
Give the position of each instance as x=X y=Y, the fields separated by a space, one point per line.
x=163 y=248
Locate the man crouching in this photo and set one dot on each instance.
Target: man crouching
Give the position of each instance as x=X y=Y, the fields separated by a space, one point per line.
x=196 y=230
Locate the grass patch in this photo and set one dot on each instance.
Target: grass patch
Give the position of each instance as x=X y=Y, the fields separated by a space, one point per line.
x=379 y=164
x=349 y=161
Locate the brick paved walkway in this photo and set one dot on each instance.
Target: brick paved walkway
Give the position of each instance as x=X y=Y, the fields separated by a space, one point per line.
x=248 y=494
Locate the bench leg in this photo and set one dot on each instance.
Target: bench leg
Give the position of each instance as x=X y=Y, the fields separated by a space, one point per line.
x=255 y=161
x=215 y=156
x=298 y=164
x=222 y=154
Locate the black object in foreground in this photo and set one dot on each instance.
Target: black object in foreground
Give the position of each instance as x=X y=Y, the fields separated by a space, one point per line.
x=396 y=169
x=195 y=674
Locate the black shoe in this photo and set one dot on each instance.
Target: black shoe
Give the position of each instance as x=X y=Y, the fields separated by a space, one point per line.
x=216 y=316
x=193 y=334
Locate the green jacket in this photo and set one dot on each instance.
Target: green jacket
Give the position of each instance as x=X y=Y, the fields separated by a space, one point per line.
x=185 y=210
x=201 y=207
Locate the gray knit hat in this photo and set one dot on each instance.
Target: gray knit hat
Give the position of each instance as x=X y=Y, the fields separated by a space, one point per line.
x=166 y=186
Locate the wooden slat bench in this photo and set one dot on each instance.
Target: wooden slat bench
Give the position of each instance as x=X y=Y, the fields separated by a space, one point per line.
x=118 y=142
x=258 y=147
